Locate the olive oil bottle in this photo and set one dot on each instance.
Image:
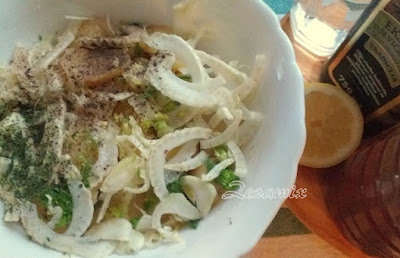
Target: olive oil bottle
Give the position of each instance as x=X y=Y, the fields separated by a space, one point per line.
x=367 y=65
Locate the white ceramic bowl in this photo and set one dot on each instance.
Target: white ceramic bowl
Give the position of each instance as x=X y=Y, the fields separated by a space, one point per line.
x=244 y=28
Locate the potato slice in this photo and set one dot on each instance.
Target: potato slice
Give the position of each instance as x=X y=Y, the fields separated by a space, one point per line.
x=93 y=67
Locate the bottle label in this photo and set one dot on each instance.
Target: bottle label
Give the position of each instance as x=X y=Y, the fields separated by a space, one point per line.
x=370 y=70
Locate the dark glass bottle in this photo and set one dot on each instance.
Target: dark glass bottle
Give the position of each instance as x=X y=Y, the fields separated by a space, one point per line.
x=364 y=195
x=367 y=65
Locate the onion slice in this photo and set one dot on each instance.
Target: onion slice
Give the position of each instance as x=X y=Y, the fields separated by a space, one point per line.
x=249 y=128
x=133 y=139
x=202 y=194
x=159 y=74
x=82 y=213
x=116 y=229
x=215 y=171
x=144 y=223
x=177 y=204
x=182 y=116
x=233 y=76
x=122 y=175
x=108 y=154
x=250 y=85
x=186 y=152
x=221 y=114
x=182 y=50
x=190 y=164
x=43 y=235
x=225 y=136
x=240 y=161
x=104 y=207
x=157 y=157
x=134 y=243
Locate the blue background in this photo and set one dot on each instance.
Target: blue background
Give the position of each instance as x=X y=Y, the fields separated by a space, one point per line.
x=279 y=6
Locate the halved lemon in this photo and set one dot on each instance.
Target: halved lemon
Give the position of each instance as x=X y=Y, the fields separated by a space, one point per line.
x=334 y=125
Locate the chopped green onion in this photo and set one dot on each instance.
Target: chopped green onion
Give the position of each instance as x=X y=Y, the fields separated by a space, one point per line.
x=151 y=91
x=117 y=212
x=186 y=77
x=210 y=164
x=193 y=224
x=221 y=153
x=170 y=106
x=175 y=186
x=226 y=178
x=135 y=221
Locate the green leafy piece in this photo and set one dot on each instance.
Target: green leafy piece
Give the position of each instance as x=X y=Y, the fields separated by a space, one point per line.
x=160 y=125
x=117 y=212
x=90 y=140
x=170 y=106
x=186 y=77
x=175 y=186
x=86 y=170
x=60 y=196
x=31 y=116
x=221 y=152
x=146 y=124
x=210 y=164
x=226 y=178
x=150 y=204
x=151 y=91
x=26 y=176
x=159 y=122
x=135 y=221
x=40 y=37
x=193 y=224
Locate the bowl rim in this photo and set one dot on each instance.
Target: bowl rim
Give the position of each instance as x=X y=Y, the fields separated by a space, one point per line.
x=295 y=69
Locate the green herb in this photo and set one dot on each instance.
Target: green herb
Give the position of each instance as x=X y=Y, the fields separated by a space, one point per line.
x=91 y=140
x=175 y=186
x=160 y=125
x=150 y=204
x=117 y=212
x=186 y=77
x=26 y=176
x=151 y=91
x=86 y=170
x=193 y=224
x=135 y=221
x=60 y=196
x=221 y=153
x=170 y=106
x=210 y=164
x=159 y=122
x=40 y=38
x=36 y=133
x=225 y=179
x=146 y=124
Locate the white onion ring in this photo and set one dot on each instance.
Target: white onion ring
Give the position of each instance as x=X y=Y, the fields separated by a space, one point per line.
x=157 y=155
x=190 y=164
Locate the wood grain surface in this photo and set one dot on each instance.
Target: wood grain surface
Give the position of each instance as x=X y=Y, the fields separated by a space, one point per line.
x=296 y=246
